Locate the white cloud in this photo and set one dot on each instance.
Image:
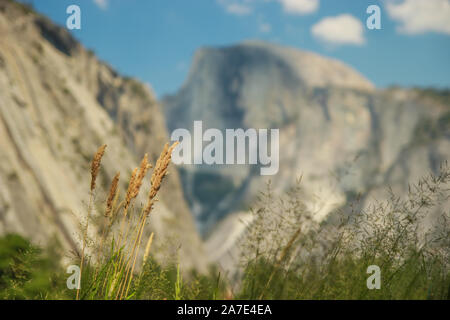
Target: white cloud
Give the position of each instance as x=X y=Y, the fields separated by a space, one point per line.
x=265 y=27
x=102 y=4
x=237 y=7
x=300 y=6
x=420 y=16
x=246 y=7
x=339 y=30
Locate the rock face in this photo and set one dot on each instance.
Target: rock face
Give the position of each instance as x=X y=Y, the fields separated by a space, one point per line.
x=58 y=104
x=343 y=135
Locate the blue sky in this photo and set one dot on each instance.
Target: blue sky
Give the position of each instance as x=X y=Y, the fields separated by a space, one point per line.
x=154 y=40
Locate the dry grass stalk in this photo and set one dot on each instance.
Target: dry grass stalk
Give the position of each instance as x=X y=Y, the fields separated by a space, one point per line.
x=112 y=195
x=134 y=187
x=147 y=249
x=137 y=177
x=95 y=166
x=158 y=175
x=140 y=177
x=280 y=260
x=121 y=269
x=159 y=172
x=110 y=205
x=130 y=190
x=128 y=198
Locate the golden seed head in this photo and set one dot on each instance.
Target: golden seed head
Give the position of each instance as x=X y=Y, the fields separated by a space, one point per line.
x=112 y=194
x=130 y=189
x=159 y=172
x=143 y=168
x=95 y=166
x=147 y=248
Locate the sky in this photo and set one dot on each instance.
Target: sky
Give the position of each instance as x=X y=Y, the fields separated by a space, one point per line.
x=154 y=40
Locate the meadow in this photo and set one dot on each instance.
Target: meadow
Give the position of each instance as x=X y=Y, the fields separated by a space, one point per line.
x=285 y=253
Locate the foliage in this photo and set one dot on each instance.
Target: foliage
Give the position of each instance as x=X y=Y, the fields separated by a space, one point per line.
x=28 y=272
x=286 y=254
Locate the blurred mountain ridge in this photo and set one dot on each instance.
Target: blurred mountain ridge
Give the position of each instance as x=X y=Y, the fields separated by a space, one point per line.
x=58 y=104
x=346 y=138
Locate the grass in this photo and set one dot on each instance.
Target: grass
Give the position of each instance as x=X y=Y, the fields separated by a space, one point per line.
x=291 y=256
x=286 y=253
x=109 y=273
